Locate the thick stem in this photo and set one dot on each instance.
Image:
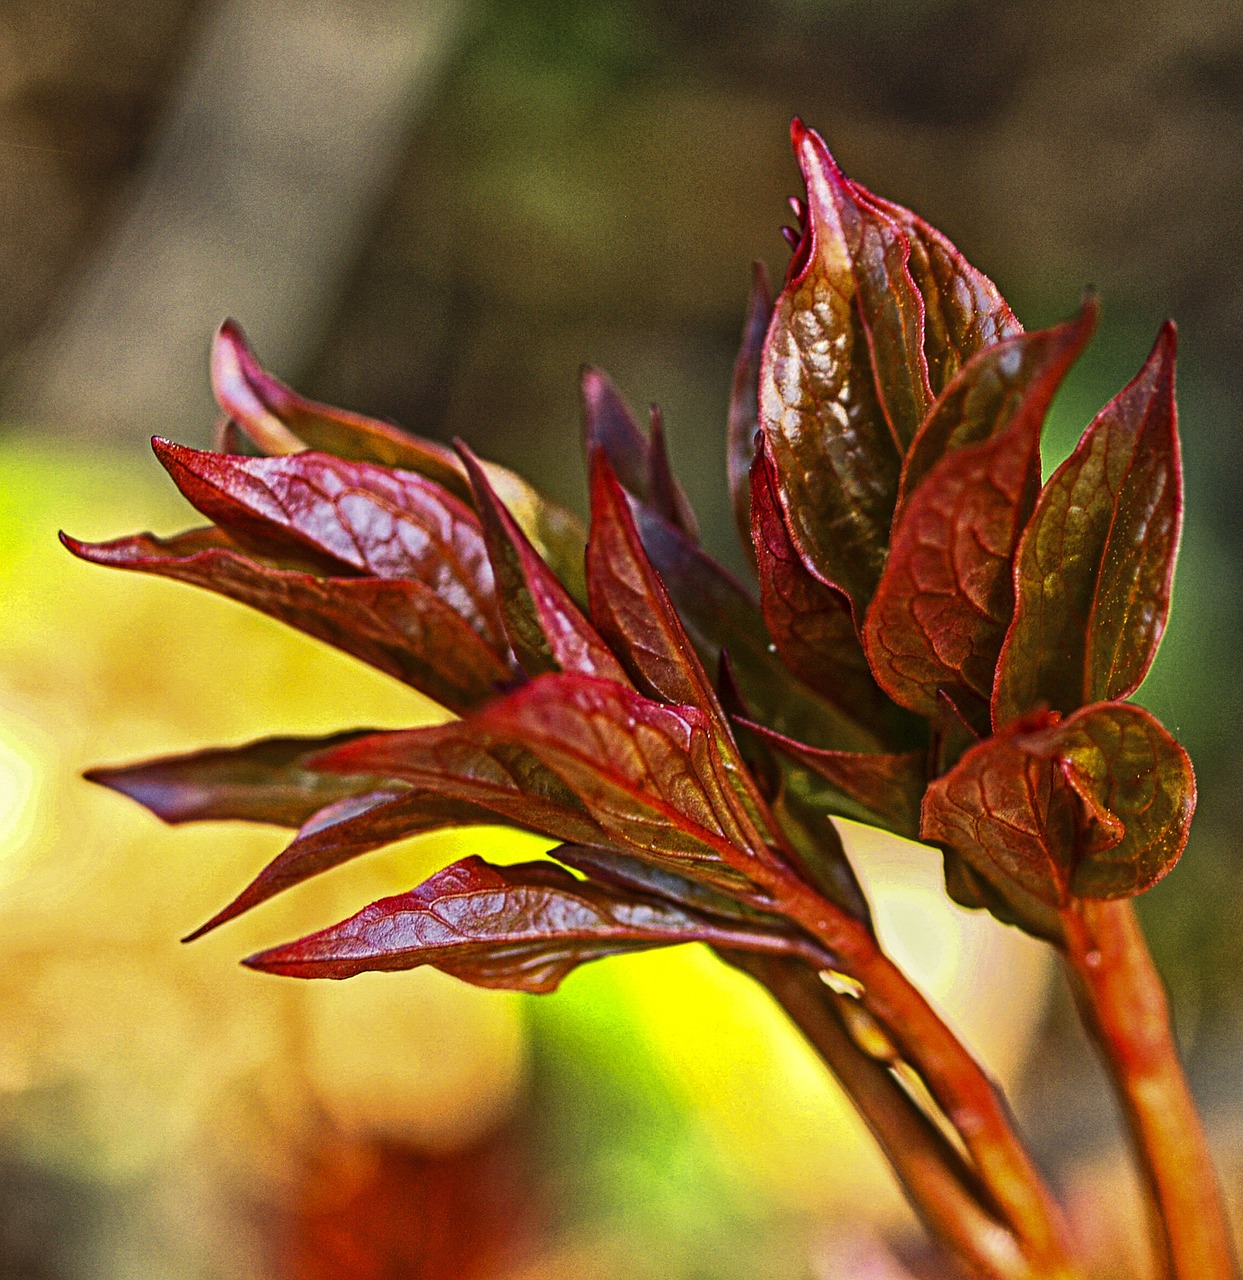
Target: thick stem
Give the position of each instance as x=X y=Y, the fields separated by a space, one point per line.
x=940 y=1187
x=974 y=1106
x=1123 y=1005
x=958 y=1084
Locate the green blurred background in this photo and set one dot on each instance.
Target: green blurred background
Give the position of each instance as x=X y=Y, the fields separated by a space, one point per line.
x=436 y=212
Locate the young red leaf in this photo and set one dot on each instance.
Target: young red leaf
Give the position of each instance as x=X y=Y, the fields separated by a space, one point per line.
x=1020 y=375
x=963 y=311
x=744 y=403
x=1096 y=563
x=947 y=595
x=264 y=781
x=809 y=620
x=468 y=762
x=651 y=775
x=836 y=458
x=887 y=785
x=629 y=602
x=345 y=830
x=280 y=421
x=397 y=625
x=546 y=628
x=720 y=617
x=354 y=515
x=640 y=463
x=522 y=928
x=1097 y=805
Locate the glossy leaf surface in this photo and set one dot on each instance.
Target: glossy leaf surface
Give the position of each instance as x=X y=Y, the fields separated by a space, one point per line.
x=947 y=596
x=809 y=620
x=469 y=762
x=836 y=459
x=546 y=628
x=650 y=774
x=1096 y=563
x=279 y=421
x=397 y=625
x=1097 y=805
x=264 y=781
x=522 y=928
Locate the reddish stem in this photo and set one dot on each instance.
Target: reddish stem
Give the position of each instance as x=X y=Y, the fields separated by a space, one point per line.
x=958 y=1084
x=940 y=1186
x=1123 y=1005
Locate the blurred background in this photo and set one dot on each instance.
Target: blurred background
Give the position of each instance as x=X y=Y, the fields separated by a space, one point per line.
x=435 y=211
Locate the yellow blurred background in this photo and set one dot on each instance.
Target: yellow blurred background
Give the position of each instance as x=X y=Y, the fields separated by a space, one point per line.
x=436 y=212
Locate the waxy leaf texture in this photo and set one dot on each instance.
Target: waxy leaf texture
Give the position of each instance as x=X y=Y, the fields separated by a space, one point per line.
x=1097 y=805
x=1095 y=568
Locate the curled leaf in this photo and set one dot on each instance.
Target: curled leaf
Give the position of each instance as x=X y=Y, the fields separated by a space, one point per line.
x=1097 y=805
x=1096 y=563
x=522 y=928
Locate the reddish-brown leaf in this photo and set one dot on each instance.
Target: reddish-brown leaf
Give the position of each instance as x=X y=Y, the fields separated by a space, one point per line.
x=721 y=618
x=522 y=928
x=888 y=786
x=1019 y=375
x=651 y=775
x=809 y=620
x=546 y=628
x=947 y=595
x=744 y=403
x=397 y=625
x=353 y=515
x=837 y=460
x=963 y=311
x=1094 y=806
x=345 y=830
x=264 y=781
x=640 y=462
x=1096 y=563
x=629 y=602
x=472 y=763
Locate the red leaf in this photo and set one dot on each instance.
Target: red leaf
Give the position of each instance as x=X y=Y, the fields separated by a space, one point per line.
x=888 y=786
x=396 y=625
x=1096 y=563
x=1020 y=375
x=470 y=762
x=522 y=928
x=355 y=515
x=837 y=461
x=345 y=830
x=264 y=781
x=942 y=608
x=1094 y=806
x=280 y=421
x=721 y=618
x=629 y=602
x=546 y=628
x=809 y=619
x=651 y=775
x=639 y=462
x=963 y=311
x=744 y=403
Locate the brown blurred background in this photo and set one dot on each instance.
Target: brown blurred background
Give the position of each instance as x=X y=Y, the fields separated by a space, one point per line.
x=434 y=211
